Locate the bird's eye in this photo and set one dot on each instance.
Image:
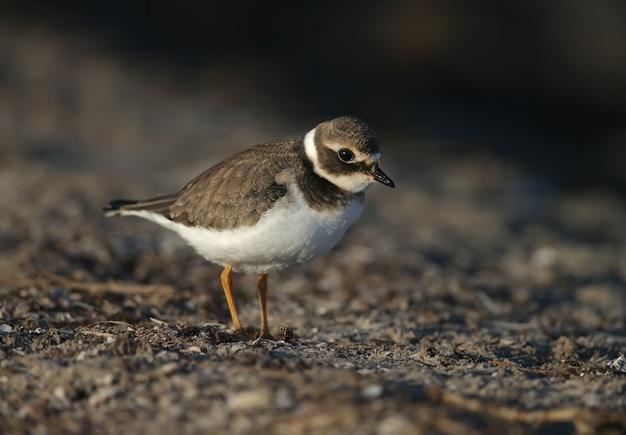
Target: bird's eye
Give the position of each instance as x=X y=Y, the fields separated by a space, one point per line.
x=346 y=155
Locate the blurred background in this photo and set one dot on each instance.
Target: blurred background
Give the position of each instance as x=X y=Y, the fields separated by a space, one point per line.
x=120 y=85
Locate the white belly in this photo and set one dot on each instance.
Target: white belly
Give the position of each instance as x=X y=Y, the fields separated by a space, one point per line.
x=287 y=234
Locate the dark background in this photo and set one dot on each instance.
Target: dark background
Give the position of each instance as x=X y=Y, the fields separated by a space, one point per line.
x=542 y=84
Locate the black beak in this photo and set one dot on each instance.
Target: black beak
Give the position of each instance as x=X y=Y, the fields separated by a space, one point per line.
x=381 y=177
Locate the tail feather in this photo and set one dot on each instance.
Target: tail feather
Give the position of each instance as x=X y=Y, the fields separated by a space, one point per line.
x=160 y=205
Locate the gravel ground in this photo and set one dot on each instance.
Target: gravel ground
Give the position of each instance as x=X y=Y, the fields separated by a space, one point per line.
x=473 y=298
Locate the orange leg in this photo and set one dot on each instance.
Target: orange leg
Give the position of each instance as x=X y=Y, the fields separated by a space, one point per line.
x=227 y=285
x=262 y=289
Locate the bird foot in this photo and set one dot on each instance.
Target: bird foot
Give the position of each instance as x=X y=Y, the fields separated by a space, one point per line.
x=264 y=335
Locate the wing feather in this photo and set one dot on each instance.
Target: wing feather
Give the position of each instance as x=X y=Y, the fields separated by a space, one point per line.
x=237 y=191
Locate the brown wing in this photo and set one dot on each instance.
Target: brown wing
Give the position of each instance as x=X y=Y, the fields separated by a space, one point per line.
x=237 y=191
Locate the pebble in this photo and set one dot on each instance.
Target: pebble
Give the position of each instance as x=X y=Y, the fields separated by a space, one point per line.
x=373 y=391
x=258 y=398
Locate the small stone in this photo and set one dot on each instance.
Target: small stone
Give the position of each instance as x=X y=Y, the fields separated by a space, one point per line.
x=372 y=392
x=544 y=257
x=5 y=329
x=618 y=364
x=251 y=399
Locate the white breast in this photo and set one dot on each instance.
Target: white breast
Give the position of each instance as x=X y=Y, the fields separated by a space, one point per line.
x=288 y=233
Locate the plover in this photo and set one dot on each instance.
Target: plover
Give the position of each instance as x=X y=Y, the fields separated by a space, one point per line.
x=272 y=205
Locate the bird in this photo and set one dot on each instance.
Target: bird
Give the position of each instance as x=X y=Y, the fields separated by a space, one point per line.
x=272 y=205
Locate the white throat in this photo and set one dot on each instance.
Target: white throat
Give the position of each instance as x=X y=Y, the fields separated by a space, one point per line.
x=355 y=182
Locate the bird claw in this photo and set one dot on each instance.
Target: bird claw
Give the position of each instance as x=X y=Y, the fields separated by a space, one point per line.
x=262 y=336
